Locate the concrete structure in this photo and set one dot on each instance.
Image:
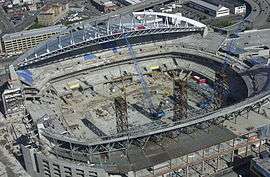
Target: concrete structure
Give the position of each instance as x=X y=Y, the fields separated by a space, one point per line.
x=253 y=43
x=16 y=43
x=75 y=77
x=52 y=13
x=208 y=8
x=13 y=96
x=129 y=152
x=47 y=167
x=260 y=166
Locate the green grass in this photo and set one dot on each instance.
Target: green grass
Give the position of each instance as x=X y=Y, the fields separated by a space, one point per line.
x=223 y=23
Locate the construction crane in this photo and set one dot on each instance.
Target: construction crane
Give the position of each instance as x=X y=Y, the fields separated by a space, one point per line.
x=155 y=113
x=220 y=85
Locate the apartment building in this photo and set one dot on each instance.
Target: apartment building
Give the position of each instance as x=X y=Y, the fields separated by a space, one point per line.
x=17 y=43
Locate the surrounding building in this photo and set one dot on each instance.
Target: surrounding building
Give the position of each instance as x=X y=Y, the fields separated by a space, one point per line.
x=129 y=2
x=51 y=14
x=16 y=43
x=236 y=7
x=209 y=8
x=20 y=2
x=104 y=5
x=260 y=166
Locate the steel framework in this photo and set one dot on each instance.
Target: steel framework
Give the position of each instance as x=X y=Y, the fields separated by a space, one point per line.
x=143 y=135
x=121 y=114
x=112 y=30
x=102 y=40
x=221 y=89
x=180 y=98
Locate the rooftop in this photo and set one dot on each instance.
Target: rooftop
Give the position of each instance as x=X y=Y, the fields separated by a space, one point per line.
x=208 y=5
x=263 y=164
x=34 y=32
x=226 y=3
x=103 y=1
x=249 y=41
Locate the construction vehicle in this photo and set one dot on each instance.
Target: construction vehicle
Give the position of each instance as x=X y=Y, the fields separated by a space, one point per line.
x=154 y=112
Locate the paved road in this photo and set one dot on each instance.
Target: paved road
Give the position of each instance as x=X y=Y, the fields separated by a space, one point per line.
x=28 y=20
x=259 y=13
x=5 y=24
x=128 y=9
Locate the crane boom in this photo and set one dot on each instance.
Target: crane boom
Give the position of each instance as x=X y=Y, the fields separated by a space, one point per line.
x=146 y=92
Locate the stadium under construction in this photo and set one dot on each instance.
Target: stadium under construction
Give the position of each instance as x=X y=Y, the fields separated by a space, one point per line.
x=130 y=97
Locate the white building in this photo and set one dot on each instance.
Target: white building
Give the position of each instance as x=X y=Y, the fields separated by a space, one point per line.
x=208 y=8
x=236 y=6
x=17 y=43
x=240 y=9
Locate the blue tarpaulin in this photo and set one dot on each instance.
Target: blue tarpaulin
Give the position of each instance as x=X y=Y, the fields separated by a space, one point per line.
x=89 y=56
x=264 y=132
x=114 y=49
x=25 y=76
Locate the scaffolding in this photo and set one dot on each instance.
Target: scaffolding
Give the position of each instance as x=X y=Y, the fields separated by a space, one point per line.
x=180 y=99
x=121 y=114
x=221 y=84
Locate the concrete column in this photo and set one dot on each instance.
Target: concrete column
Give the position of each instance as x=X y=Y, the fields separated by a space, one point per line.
x=120 y=22
x=218 y=158
x=232 y=156
x=47 y=48
x=205 y=32
x=203 y=165
x=132 y=174
x=167 y=21
x=72 y=41
x=260 y=146
x=59 y=42
x=145 y=19
x=108 y=26
x=83 y=33
x=155 y=21
x=97 y=32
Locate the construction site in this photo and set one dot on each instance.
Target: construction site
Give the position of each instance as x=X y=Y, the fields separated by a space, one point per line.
x=137 y=104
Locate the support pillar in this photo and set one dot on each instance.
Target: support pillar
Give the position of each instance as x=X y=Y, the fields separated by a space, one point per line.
x=47 y=48
x=180 y=98
x=108 y=26
x=167 y=22
x=121 y=114
x=59 y=42
x=221 y=84
x=203 y=165
x=71 y=38
x=83 y=32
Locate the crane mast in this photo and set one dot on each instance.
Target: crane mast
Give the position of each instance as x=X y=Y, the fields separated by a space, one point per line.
x=147 y=96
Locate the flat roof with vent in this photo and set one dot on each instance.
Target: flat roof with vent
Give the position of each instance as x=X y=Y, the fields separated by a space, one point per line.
x=34 y=32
